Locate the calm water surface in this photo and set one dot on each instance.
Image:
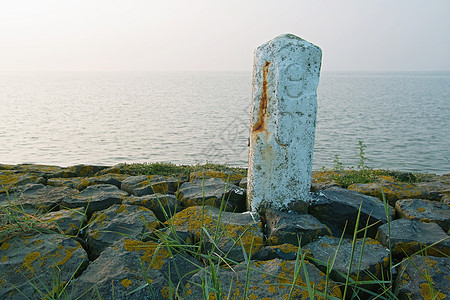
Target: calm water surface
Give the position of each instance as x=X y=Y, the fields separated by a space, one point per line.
x=107 y=118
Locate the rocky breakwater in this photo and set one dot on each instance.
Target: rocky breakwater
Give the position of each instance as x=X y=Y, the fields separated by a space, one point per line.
x=89 y=232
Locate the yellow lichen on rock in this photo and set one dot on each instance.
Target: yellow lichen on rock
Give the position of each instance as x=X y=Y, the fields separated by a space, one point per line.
x=125 y=282
x=233 y=178
x=68 y=255
x=28 y=261
x=5 y=246
x=150 y=252
x=428 y=291
x=122 y=209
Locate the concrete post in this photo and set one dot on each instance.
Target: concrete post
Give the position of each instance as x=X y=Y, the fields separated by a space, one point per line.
x=283 y=120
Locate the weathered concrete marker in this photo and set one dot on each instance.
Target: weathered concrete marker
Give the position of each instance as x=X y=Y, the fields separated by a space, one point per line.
x=283 y=120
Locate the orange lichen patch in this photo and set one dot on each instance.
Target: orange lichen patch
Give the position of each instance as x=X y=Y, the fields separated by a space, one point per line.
x=370 y=241
x=125 y=282
x=324 y=176
x=216 y=174
x=99 y=217
x=408 y=248
x=28 y=261
x=393 y=191
x=68 y=255
x=121 y=209
x=149 y=251
x=252 y=297
x=287 y=248
x=4 y=258
x=428 y=290
x=160 y=187
x=420 y=209
x=142 y=208
x=10 y=179
x=191 y=219
x=95 y=234
x=273 y=240
x=5 y=246
x=165 y=292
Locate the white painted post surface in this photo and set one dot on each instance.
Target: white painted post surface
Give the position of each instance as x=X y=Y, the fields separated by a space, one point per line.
x=283 y=120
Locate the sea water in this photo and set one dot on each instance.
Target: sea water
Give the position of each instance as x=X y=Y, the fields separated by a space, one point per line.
x=63 y=119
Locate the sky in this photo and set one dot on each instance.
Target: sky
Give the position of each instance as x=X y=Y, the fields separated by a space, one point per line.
x=213 y=35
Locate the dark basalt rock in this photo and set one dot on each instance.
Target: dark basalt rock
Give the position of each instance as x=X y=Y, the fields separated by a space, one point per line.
x=229 y=234
x=424 y=277
x=425 y=210
x=283 y=251
x=213 y=192
x=150 y=184
x=291 y=228
x=31 y=262
x=66 y=221
x=95 y=198
x=131 y=269
x=337 y=208
x=117 y=221
x=163 y=205
x=410 y=236
x=271 y=279
x=370 y=258
x=39 y=198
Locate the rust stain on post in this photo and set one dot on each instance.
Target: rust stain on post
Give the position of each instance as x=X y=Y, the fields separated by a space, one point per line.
x=260 y=125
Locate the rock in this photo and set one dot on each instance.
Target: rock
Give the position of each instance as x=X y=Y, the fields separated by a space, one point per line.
x=150 y=184
x=283 y=123
x=169 y=236
x=425 y=211
x=283 y=251
x=35 y=264
x=231 y=177
x=213 y=192
x=393 y=191
x=44 y=171
x=11 y=180
x=163 y=205
x=410 y=236
x=6 y=167
x=291 y=228
x=446 y=199
x=66 y=221
x=322 y=180
x=80 y=183
x=374 y=262
x=435 y=184
x=117 y=221
x=72 y=182
x=229 y=234
x=95 y=198
x=336 y=206
x=79 y=171
x=424 y=277
x=117 y=169
x=270 y=279
x=38 y=198
x=118 y=272
x=243 y=183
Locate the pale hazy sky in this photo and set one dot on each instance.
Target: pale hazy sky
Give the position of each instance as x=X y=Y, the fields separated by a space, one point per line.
x=212 y=35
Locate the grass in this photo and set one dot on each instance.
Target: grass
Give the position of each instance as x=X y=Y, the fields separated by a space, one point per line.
x=170 y=169
x=14 y=219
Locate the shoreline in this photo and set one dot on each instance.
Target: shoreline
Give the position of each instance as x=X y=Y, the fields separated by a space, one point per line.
x=97 y=228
